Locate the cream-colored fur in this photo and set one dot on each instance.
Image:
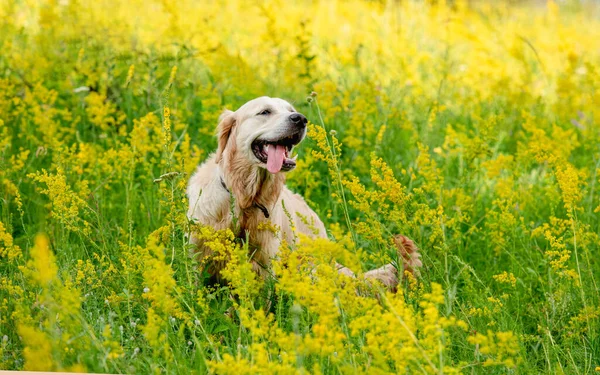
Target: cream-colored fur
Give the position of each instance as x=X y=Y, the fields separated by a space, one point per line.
x=235 y=171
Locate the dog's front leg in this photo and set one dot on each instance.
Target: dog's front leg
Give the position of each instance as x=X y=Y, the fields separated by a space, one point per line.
x=344 y=270
x=390 y=275
x=387 y=275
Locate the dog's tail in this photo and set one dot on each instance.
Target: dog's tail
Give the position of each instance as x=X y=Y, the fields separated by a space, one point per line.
x=408 y=252
x=390 y=275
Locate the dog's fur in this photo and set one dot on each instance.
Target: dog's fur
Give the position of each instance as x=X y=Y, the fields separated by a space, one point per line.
x=236 y=171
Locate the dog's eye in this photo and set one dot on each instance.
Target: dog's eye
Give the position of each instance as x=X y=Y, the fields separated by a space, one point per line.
x=266 y=112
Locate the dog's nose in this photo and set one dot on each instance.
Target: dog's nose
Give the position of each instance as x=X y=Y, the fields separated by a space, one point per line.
x=298 y=119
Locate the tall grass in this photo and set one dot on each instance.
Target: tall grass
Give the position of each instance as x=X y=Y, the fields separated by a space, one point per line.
x=470 y=128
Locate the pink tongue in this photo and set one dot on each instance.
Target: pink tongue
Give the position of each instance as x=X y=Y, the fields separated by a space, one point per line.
x=275 y=157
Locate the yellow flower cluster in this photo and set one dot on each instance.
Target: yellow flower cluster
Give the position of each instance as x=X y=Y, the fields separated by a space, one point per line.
x=66 y=204
x=8 y=249
x=50 y=332
x=498 y=348
x=506 y=278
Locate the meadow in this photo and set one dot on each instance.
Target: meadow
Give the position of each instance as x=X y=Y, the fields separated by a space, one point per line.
x=470 y=127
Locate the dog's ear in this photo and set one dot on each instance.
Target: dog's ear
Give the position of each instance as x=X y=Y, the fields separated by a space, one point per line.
x=226 y=123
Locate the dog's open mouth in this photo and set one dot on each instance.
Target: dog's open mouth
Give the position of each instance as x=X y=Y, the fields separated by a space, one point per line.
x=276 y=153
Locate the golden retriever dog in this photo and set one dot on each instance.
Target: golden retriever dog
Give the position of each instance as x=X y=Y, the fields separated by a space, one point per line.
x=254 y=151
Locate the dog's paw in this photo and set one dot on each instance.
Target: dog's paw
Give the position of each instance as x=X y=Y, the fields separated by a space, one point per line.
x=386 y=275
x=390 y=275
x=409 y=253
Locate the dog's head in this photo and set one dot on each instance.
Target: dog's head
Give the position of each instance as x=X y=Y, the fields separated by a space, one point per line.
x=263 y=131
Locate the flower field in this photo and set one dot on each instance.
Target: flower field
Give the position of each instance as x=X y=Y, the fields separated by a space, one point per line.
x=470 y=127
